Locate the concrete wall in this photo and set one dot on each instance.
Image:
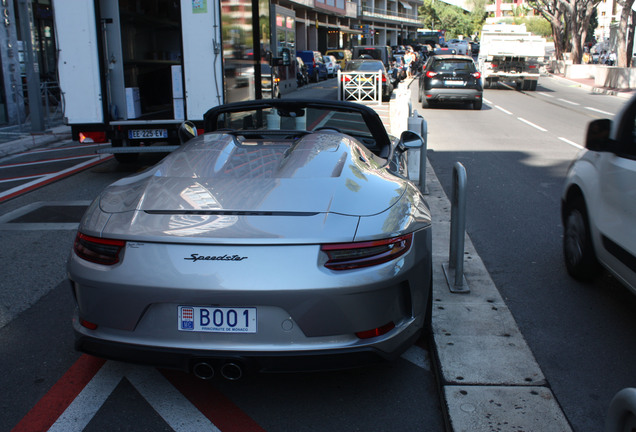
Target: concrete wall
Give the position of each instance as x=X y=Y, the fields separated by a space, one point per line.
x=603 y=76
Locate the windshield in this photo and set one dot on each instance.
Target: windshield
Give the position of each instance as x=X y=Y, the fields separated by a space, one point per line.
x=365 y=66
x=308 y=119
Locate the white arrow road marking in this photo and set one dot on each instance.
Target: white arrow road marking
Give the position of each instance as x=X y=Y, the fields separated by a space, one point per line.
x=171 y=405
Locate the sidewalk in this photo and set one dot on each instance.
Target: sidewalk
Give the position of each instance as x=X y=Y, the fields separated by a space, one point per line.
x=588 y=84
x=35 y=140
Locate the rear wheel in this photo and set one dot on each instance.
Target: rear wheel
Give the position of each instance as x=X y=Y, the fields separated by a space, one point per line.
x=578 y=249
x=477 y=104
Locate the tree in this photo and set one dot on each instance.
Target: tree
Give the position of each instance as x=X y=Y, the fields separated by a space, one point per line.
x=570 y=20
x=554 y=12
x=625 y=34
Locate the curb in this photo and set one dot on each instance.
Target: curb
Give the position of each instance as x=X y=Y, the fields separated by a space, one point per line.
x=34 y=140
x=624 y=94
x=487 y=375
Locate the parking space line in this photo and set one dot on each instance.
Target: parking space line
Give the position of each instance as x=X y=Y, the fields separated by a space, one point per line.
x=18 y=190
x=49 y=408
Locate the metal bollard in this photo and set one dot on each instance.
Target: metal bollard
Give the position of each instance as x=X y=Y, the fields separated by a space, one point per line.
x=455 y=270
x=417 y=124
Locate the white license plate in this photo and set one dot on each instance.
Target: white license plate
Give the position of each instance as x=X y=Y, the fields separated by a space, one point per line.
x=216 y=319
x=454 y=83
x=147 y=133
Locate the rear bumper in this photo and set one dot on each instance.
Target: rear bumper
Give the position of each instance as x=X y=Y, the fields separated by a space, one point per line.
x=453 y=95
x=255 y=361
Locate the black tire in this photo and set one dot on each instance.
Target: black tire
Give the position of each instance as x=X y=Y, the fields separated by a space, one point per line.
x=316 y=77
x=578 y=249
x=487 y=84
x=533 y=86
x=419 y=94
x=477 y=104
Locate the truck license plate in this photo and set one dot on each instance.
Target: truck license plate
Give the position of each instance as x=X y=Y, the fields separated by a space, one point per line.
x=147 y=133
x=216 y=319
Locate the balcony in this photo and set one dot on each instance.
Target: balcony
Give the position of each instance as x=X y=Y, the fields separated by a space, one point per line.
x=387 y=15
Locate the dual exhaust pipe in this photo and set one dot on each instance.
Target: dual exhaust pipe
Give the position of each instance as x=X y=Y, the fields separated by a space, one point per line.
x=229 y=370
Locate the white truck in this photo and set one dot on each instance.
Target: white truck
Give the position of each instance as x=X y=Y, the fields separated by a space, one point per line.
x=509 y=53
x=131 y=71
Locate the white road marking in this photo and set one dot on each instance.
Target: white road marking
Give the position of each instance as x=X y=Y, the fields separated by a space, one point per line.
x=504 y=110
x=169 y=403
x=567 y=101
x=600 y=111
x=532 y=124
x=573 y=144
x=418 y=356
x=545 y=94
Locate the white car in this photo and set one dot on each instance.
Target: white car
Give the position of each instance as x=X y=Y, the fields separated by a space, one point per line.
x=461 y=46
x=332 y=65
x=599 y=201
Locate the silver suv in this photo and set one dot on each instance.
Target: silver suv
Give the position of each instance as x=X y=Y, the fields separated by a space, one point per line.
x=599 y=201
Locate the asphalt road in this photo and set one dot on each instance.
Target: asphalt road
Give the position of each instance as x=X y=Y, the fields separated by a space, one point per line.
x=51 y=384
x=516 y=151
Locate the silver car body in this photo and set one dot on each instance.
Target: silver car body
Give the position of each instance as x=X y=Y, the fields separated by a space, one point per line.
x=238 y=225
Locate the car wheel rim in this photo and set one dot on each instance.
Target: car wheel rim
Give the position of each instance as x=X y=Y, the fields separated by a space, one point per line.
x=574 y=237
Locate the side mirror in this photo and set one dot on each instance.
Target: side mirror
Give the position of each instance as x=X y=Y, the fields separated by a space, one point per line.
x=187 y=131
x=597 y=137
x=410 y=139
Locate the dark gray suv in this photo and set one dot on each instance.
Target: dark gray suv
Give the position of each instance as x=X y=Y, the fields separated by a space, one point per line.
x=450 y=78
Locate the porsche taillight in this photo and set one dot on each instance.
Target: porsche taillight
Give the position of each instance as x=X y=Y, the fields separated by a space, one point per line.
x=98 y=250
x=348 y=256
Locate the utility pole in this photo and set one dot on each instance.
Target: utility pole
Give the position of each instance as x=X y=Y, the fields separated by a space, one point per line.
x=25 y=11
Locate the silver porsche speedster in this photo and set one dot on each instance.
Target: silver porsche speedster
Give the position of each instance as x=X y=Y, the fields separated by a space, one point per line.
x=285 y=237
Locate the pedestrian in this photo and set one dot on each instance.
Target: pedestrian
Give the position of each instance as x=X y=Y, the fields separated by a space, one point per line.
x=408 y=60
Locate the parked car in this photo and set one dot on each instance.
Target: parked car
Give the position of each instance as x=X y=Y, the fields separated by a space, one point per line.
x=362 y=65
x=286 y=237
x=450 y=78
x=444 y=51
x=269 y=81
x=331 y=64
x=341 y=55
x=302 y=76
x=316 y=68
x=461 y=46
x=374 y=52
x=598 y=208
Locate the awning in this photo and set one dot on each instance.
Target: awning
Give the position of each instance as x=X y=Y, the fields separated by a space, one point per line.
x=406 y=5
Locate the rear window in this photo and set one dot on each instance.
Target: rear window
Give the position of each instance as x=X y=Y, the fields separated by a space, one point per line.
x=338 y=55
x=365 y=66
x=455 y=65
x=374 y=53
